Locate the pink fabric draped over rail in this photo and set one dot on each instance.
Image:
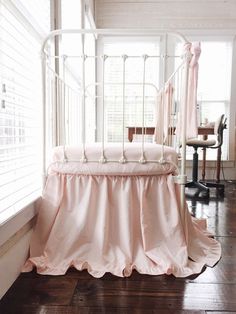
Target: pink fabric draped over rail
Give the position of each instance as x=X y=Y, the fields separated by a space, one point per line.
x=191 y=110
x=117 y=223
x=165 y=100
x=163 y=114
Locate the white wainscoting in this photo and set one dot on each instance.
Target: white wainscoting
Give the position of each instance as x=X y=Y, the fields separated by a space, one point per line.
x=14 y=245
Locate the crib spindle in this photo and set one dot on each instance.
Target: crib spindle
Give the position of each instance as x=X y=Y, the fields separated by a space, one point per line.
x=83 y=134
x=103 y=158
x=123 y=159
x=142 y=159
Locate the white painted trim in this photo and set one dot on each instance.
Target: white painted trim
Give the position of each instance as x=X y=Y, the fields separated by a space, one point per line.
x=89 y=14
x=232 y=108
x=12 y=241
x=15 y=223
x=12 y=262
x=15 y=237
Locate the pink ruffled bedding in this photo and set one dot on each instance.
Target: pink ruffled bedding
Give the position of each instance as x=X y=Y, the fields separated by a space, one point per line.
x=116 y=223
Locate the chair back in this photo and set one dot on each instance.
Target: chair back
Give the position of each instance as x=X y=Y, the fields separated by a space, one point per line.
x=219 y=127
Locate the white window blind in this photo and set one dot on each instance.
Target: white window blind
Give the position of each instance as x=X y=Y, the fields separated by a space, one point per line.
x=20 y=112
x=37 y=13
x=113 y=76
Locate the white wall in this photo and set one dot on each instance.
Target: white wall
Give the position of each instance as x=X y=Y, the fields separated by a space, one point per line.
x=174 y=14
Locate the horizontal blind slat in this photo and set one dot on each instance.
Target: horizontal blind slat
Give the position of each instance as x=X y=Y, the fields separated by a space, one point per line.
x=20 y=108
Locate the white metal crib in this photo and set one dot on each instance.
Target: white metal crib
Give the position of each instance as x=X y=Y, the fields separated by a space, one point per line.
x=115 y=207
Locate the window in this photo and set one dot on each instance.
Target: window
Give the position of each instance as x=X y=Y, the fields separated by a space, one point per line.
x=20 y=106
x=113 y=78
x=73 y=16
x=214 y=85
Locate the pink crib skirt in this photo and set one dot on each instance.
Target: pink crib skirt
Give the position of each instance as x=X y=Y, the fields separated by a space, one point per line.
x=117 y=223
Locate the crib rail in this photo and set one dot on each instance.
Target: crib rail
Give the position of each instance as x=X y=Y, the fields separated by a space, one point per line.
x=69 y=104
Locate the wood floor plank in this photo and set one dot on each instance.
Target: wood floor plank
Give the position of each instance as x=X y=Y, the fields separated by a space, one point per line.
x=177 y=295
x=225 y=270
x=220 y=312
x=95 y=310
x=35 y=289
x=220 y=212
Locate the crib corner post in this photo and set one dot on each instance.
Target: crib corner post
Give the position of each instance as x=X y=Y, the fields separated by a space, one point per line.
x=184 y=123
x=43 y=73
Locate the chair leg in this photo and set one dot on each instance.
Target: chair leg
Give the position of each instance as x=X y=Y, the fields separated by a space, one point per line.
x=201 y=188
x=195 y=166
x=220 y=188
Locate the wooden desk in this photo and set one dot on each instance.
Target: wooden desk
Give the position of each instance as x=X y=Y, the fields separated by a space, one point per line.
x=138 y=130
x=202 y=130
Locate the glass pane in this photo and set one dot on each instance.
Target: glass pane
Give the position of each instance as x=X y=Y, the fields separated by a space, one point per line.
x=215 y=71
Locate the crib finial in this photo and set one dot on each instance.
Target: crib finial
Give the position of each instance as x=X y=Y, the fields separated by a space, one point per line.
x=162 y=160
x=102 y=159
x=122 y=160
x=142 y=160
x=65 y=159
x=145 y=57
x=83 y=158
x=104 y=57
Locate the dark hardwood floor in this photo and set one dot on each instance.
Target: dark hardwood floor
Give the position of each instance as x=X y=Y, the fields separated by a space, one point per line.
x=211 y=292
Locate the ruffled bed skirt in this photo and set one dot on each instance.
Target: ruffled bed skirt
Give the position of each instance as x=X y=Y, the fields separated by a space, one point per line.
x=116 y=224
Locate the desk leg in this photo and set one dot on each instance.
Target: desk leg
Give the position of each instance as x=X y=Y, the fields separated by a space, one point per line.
x=204 y=159
x=218 y=164
x=203 y=164
x=130 y=135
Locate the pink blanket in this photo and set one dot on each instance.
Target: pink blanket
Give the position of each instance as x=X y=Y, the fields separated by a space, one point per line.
x=117 y=223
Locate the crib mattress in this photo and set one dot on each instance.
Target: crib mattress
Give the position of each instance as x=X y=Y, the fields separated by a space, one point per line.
x=66 y=159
